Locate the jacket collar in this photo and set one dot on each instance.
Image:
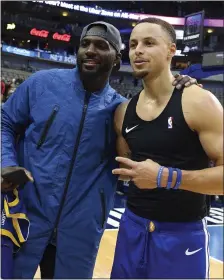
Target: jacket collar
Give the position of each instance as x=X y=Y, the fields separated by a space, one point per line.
x=106 y=94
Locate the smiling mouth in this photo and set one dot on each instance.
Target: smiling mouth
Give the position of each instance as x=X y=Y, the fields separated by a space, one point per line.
x=90 y=62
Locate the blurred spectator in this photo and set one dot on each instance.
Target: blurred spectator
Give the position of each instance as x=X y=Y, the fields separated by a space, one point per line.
x=2 y=92
x=6 y=90
x=18 y=82
x=12 y=87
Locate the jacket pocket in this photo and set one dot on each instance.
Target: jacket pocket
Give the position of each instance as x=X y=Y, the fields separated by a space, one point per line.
x=106 y=147
x=103 y=208
x=47 y=126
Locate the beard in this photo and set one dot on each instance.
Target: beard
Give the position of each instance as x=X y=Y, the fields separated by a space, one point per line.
x=93 y=73
x=140 y=74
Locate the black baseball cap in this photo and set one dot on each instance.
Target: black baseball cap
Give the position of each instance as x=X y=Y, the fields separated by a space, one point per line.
x=111 y=34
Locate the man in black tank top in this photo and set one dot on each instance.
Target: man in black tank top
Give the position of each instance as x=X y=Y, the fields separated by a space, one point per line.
x=169 y=136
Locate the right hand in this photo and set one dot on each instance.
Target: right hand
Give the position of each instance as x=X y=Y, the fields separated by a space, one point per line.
x=7 y=186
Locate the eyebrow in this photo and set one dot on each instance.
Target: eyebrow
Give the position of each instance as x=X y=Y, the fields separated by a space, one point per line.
x=146 y=38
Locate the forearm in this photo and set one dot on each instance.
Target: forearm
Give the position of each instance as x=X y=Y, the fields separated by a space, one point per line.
x=206 y=181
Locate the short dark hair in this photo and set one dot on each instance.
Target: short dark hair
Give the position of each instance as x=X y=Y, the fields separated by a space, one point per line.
x=164 y=24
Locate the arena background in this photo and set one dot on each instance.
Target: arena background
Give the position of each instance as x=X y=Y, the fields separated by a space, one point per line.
x=45 y=34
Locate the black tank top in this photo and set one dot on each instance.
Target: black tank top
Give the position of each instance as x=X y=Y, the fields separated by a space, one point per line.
x=169 y=141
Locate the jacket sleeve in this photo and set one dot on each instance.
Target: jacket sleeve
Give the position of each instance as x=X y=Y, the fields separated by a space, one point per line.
x=16 y=118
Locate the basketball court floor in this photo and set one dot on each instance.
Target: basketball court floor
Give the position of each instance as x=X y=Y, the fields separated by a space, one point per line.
x=107 y=245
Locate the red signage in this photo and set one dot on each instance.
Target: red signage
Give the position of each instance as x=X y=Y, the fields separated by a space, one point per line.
x=64 y=37
x=45 y=34
x=39 y=33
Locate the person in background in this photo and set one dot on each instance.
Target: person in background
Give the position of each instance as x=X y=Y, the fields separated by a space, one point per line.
x=3 y=92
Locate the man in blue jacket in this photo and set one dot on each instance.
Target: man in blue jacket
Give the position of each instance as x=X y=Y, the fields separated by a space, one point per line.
x=64 y=119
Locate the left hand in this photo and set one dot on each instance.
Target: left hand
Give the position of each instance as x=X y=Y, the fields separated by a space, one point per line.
x=184 y=81
x=143 y=174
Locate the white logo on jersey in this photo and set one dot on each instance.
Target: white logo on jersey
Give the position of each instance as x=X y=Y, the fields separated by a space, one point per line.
x=130 y=129
x=187 y=253
x=170 y=122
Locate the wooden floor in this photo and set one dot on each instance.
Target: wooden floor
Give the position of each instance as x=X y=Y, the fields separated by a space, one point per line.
x=106 y=254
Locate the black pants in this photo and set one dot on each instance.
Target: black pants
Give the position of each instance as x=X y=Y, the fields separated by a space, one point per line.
x=47 y=263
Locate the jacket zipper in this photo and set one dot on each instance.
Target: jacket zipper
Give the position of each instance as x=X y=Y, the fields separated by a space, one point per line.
x=103 y=205
x=47 y=127
x=85 y=106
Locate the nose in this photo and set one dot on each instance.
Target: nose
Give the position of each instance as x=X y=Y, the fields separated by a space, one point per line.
x=139 y=49
x=91 y=50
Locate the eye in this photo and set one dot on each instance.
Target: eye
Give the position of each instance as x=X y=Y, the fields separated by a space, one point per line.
x=102 y=45
x=132 y=45
x=149 y=43
x=84 y=43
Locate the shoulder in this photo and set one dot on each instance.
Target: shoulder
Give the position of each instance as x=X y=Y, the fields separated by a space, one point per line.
x=43 y=74
x=199 y=105
x=39 y=78
x=35 y=81
x=61 y=75
x=199 y=98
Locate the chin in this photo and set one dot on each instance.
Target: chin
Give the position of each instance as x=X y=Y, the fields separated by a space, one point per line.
x=89 y=72
x=140 y=74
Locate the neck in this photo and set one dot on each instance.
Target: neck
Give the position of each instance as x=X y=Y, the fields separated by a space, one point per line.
x=158 y=87
x=94 y=84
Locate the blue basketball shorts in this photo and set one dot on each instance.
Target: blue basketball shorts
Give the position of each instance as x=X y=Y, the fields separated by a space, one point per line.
x=149 y=249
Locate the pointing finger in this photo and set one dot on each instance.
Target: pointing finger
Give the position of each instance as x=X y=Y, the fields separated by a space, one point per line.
x=127 y=161
x=124 y=172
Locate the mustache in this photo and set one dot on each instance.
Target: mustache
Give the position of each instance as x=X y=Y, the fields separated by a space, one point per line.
x=87 y=57
x=91 y=60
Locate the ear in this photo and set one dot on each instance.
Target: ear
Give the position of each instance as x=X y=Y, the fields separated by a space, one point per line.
x=171 y=51
x=117 y=59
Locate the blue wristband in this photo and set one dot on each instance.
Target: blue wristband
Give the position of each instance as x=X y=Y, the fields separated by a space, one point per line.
x=170 y=178
x=179 y=178
x=159 y=177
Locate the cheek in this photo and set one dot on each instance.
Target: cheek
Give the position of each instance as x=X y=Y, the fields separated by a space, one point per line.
x=110 y=59
x=107 y=61
x=159 y=54
x=79 y=55
x=131 y=56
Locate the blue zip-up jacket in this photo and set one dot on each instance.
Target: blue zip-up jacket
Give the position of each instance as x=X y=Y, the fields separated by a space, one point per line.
x=67 y=142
